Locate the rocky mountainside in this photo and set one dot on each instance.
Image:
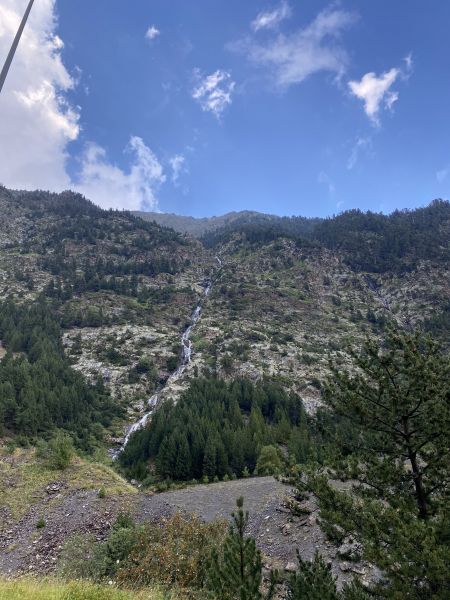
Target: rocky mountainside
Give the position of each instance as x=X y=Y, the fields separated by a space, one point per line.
x=140 y=312
x=285 y=292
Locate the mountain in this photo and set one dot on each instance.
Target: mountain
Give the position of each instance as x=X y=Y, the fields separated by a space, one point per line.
x=198 y=351
x=285 y=291
x=199 y=226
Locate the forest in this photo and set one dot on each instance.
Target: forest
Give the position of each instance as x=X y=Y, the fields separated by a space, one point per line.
x=218 y=429
x=372 y=242
x=39 y=390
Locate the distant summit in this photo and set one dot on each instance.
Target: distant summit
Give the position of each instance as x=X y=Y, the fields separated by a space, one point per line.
x=198 y=227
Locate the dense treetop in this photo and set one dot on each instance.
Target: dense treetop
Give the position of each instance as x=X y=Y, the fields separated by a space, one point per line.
x=39 y=390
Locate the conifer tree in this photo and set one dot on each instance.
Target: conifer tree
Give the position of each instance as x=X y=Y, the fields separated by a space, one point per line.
x=314 y=581
x=236 y=574
x=397 y=398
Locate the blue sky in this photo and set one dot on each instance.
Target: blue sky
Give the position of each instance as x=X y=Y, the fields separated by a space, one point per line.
x=203 y=107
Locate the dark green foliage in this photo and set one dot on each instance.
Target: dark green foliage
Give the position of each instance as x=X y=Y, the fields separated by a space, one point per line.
x=39 y=391
x=235 y=573
x=314 y=581
x=398 y=399
x=59 y=451
x=371 y=242
x=217 y=429
x=377 y=243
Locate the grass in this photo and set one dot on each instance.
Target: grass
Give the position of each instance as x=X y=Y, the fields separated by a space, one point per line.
x=23 y=479
x=32 y=589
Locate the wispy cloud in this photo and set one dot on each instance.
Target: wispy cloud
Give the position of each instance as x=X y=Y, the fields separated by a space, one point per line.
x=376 y=91
x=271 y=19
x=214 y=92
x=361 y=144
x=152 y=32
x=324 y=179
x=292 y=58
x=111 y=187
x=442 y=175
x=178 y=166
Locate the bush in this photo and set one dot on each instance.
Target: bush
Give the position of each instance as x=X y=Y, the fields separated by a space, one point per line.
x=84 y=558
x=40 y=524
x=173 y=554
x=58 y=452
x=269 y=462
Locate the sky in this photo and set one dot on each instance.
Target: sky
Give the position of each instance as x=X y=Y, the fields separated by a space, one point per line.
x=202 y=107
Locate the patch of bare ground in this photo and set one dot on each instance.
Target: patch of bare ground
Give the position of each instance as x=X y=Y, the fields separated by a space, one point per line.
x=278 y=533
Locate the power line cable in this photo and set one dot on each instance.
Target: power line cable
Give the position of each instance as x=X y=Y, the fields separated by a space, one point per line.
x=16 y=41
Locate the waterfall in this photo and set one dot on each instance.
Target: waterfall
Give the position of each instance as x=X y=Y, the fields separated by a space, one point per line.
x=186 y=354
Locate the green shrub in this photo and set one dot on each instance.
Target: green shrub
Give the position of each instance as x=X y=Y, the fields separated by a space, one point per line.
x=174 y=554
x=58 y=452
x=269 y=461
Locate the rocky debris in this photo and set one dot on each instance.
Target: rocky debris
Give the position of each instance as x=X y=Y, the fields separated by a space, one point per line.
x=25 y=548
x=278 y=533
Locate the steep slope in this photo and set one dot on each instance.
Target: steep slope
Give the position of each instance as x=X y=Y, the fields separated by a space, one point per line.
x=286 y=292
x=122 y=289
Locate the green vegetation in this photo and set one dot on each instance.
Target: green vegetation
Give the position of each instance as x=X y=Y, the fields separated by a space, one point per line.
x=314 y=581
x=39 y=391
x=397 y=399
x=188 y=558
x=236 y=571
x=378 y=243
x=217 y=429
x=32 y=589
x=31 y=476
x=174 y=555
x=371 y=242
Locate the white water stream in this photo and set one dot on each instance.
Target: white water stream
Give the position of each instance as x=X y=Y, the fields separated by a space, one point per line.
x=186 y=354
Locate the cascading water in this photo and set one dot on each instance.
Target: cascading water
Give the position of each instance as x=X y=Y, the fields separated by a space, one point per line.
x=186 y=354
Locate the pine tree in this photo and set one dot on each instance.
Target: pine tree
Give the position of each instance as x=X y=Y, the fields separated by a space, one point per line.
x=236 y=574
x=397 y=398
x=209 y=460
x=314 y=581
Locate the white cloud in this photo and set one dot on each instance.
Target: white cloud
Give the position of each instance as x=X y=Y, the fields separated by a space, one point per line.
x=375 y=91
x=270 y=19
x=314 y=48
x=361 y=144
x=442 y=174
x=178 y=166
x=152 y=33
x=37 y=122
x=324 y=179
x=110 y=187
x=214 y=92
